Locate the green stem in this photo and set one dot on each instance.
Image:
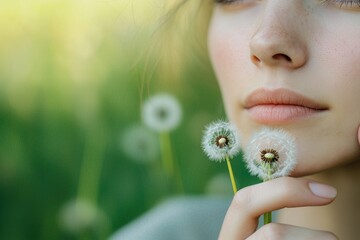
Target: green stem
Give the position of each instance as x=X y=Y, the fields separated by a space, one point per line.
x=233 y=183
x=168 y=160
x=91 y=167
x=166 y=152
x=90 y=173
x=268 y=215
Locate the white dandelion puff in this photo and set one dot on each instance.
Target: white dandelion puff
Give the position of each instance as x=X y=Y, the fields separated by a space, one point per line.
x=271 y=153
x=79 y=215
x=221 y=140
x=140 y=144
x=162 y=112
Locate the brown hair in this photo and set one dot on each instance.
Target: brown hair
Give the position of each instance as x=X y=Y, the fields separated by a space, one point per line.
x=177 y=38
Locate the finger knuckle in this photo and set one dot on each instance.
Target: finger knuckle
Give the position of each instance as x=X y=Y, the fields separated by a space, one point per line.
x=286 y=186
x=242 y=198
x=272 y=231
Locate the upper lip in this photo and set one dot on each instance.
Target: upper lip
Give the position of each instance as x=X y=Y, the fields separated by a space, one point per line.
x=280 y=97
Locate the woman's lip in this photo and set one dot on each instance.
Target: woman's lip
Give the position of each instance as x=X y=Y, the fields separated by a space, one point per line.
x=280 y=106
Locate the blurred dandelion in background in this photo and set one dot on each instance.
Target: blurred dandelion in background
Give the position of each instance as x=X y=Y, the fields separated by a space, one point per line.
x=162 y=113
x=79 y=216
x=140 y=144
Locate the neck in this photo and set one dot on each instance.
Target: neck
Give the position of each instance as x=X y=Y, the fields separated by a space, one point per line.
x=341 y=216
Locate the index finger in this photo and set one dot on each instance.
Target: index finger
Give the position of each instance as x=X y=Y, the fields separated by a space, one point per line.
x=249 y=203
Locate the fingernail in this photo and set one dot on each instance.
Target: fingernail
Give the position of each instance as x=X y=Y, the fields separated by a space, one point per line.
x=322 y=190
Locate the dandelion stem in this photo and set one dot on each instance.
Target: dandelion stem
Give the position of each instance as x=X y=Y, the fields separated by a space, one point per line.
x=233 y=183
x=267 y=216
x=168 y=160
x=166 y=151
x=268 y=165
x=91 y=167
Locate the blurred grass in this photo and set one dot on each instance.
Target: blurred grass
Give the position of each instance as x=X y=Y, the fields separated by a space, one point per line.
x=71 y=72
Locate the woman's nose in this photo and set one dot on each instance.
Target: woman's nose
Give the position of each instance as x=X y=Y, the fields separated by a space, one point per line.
x=279 y=40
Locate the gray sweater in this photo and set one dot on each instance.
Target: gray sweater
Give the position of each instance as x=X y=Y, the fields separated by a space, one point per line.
x=183 y=218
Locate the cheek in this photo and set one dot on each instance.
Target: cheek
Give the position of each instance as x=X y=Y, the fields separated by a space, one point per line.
x=229 y=54
x=342 y=79
x=337 y=52
x=226 y=52
x=228 y=42
x=335 y=65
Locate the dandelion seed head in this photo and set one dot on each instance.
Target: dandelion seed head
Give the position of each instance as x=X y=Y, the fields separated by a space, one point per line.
x=271 y=153
x=221 y=140
x=162 y=112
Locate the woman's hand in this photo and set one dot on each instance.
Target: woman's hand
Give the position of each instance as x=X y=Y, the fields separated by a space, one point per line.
x=251 y=202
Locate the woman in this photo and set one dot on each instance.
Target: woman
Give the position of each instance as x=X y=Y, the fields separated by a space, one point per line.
x=294 y=65
x=290 y=64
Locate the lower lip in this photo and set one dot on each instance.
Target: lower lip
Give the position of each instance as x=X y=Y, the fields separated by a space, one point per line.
x=273 y=114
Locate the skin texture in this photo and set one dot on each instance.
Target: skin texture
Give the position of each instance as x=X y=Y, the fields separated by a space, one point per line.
x=311 y=48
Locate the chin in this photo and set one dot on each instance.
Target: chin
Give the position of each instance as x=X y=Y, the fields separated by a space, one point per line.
x=319 y=149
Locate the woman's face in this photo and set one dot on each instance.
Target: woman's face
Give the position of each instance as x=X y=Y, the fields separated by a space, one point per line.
x=292 y=64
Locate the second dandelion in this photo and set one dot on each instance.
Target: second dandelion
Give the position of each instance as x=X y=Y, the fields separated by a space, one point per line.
x=221 y=142
x=271 y=153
